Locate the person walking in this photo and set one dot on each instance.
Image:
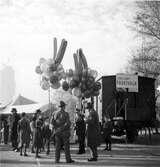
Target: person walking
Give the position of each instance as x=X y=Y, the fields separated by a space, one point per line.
x=46 y=134
x=61 y=124
x=80 y=127
x=37 y=137
x=93 y=132
x=5 y=125
x=107 y=132
x=14 y=135
x=33 y=127
x=24 y=134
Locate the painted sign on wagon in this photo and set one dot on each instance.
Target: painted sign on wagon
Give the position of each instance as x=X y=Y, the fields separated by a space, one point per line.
x=127 y=81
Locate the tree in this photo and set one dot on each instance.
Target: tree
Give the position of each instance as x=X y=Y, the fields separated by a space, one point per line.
x=147 y=19
x=146 y=59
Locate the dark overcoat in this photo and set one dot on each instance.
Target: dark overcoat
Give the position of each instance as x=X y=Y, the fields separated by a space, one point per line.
x=37 y=135
x=93 y=129
x=14 y=123
x=80 y=125
x=107 y=130
x=24 y=132
x=46 y=132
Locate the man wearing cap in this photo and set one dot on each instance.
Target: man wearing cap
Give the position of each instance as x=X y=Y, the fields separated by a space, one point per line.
x=61 y=124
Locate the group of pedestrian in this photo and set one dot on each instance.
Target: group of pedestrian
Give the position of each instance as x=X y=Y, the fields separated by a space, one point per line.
x=23 y=132
x=37 y=132
x=91 y=129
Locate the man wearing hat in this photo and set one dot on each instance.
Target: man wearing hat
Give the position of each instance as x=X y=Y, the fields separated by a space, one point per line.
x=61 y=124
x=14 y=134
x=93 y=132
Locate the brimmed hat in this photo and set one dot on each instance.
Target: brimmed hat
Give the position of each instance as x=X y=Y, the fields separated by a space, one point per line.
x=62 y=104
x=14 y=109
x=38 y=111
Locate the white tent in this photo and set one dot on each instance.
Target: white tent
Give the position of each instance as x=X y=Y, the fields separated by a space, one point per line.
x=22 y=104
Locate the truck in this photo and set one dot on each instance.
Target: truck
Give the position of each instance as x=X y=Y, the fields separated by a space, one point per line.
x=129 y=100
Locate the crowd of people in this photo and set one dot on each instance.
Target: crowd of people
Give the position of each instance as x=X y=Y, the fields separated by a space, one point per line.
x=39 y=132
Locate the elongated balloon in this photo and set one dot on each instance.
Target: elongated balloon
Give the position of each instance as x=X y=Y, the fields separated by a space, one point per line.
x=61 y=52
x=55 y=48
x=75 y=62
x=83 y=58
x=80 y=63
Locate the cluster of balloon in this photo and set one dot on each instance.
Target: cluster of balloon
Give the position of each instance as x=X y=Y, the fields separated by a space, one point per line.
x=51 y=70
x=82 y=80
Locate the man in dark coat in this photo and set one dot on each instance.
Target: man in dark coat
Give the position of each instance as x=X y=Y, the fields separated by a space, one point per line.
x=80 y=127
x=24 y=133
x=14 y=134
x=93 y=132
x=61 y=124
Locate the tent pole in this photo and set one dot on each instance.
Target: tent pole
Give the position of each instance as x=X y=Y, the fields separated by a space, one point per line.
x=49 y=100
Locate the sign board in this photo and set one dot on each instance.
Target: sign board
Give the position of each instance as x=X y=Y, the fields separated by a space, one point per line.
x=127 y=81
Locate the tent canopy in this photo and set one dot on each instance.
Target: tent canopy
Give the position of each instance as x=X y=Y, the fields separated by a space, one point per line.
x=22 y=104
x=21 y=100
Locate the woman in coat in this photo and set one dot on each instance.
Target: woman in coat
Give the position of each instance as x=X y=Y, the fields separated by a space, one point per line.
x=93 y=132
x=37 y=137
x=24 y=133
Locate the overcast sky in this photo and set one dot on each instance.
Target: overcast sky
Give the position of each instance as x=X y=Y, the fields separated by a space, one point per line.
x=27 y=29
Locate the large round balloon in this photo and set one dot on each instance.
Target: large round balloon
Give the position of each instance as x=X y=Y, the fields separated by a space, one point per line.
x=42 y=60
x=65 y=85
x=83 y=87
x=59 y=68
x=76 y=92
x=53 y=79
x=38 y=70
x=63 y=75
x=44 y=77
x=87 y=94
x=73 y=83
x=94 y=73
x=56 y=85
x=48 y=73
x=53 y=67
x=90 y=82
x=44 y=67
x=44 y=85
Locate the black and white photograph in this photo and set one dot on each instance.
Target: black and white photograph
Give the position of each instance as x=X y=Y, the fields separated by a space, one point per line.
x=79 y=83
